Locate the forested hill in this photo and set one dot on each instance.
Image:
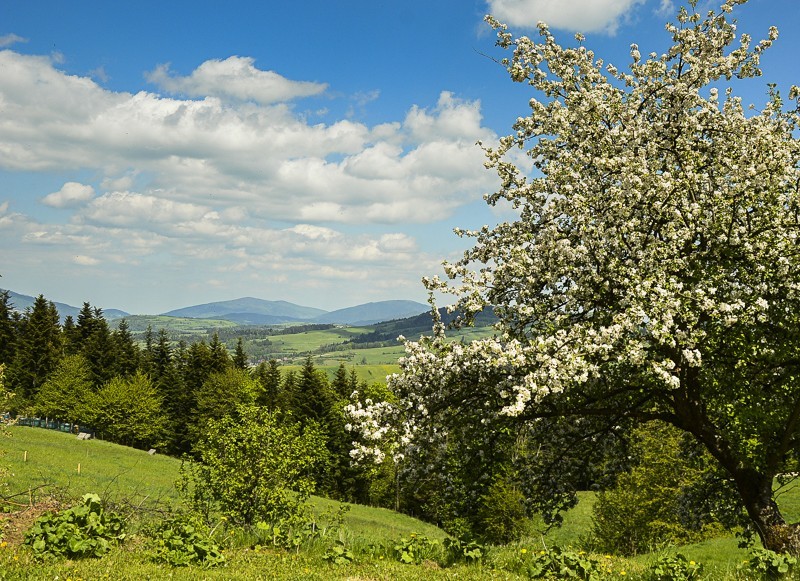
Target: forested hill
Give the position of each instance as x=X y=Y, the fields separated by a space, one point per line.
x=412 y=327
x=20 y=302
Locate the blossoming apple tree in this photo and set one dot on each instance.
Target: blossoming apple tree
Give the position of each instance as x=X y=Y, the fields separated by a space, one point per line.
x=653 y=272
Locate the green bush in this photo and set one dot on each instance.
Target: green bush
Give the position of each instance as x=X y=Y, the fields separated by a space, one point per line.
x=502 y=517
x=649 y=507
x=463 y=551
x=339 y=554
x=185 y=540
x=254 y=468
x=557 y=563
x=415 y=549
x=82 y=531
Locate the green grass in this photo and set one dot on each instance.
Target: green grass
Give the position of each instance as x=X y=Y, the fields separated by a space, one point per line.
x=43 y=461
x=176 y=325
x=119 y=473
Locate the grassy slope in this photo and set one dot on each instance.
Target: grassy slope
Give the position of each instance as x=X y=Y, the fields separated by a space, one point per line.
x=117 y=472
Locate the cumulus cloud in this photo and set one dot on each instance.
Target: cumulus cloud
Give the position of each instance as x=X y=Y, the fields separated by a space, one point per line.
x=262 y=157
x=70 y=194
x=128 y=209
x=233 y=78
x=577 y=15
x=235 y=186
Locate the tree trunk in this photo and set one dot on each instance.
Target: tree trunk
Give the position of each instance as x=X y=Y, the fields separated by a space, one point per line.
x=776 y=535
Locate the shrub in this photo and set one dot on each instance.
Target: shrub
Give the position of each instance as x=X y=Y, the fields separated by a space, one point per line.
x=557 y=563
x=769 y=564
x=82 y=531
x=463 y=551
x=339 y=554
x=415 y=549
x=186 y=540
x=675 y=568
x=502 y=517
x=254 y=468
x=652 y=505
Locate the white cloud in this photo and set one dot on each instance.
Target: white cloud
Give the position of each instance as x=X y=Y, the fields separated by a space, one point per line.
x=577 y=15
x=264 y=158
x=9 y=39
x=666 y=9
x=70 y=194
x=85 y=260
x=244 y=191
x=133 y=209
x=235 y=77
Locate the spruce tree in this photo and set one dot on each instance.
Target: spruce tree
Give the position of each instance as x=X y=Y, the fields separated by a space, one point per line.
x=8 y=330
x=239 y=356
x=269 y=375
x=39 y=350
x=220 y=358
x=126 y=350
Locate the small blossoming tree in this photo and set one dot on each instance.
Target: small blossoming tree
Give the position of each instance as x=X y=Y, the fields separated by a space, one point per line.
x=653 y=272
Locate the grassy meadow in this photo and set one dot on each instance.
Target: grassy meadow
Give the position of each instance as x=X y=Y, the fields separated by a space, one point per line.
x=44 y=463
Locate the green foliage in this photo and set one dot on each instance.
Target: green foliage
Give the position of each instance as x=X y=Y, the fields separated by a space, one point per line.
x=186 y=540
x=339 y=554
x=675 y=568
x=127 y=410
x=463 y=551
x=415 y=549
x=557 y=563
x=502 y=517
x=38 y=351
x=220 y=394
x=297 y=528
x=769 y=564
x=254 y=468
x=85 y=530
x=647 y=507
x=67 y=390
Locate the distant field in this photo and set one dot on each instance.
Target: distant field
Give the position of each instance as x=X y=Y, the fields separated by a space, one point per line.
x=307 y=341
x=328 y=347
x=176 y=325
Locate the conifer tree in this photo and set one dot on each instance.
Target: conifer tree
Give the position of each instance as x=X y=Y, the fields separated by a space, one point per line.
x=269 y=375
x=126 y=350
x=220 y=358
x=239 y=356
x=97 y=347
x=8 y=331
x=39 y=350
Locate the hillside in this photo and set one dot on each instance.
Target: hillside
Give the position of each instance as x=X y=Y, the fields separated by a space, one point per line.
x=281 y=310
x=370 y=313
x=21 y=302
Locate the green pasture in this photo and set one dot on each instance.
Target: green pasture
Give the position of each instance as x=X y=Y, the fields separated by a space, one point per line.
x=176 y=326
x=46 y=461
x=308 y=341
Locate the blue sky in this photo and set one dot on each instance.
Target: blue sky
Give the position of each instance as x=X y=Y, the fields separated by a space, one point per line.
x=155 y=155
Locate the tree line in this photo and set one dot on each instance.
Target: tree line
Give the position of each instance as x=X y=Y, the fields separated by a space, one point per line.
x=163 y=395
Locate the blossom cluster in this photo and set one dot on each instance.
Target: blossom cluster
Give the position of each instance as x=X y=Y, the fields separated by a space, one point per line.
x=660 y=223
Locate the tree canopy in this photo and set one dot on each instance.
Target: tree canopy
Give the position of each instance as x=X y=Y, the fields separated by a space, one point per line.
x=653 y=272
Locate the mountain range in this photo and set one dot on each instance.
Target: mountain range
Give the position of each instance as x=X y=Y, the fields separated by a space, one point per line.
x=253 y=311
